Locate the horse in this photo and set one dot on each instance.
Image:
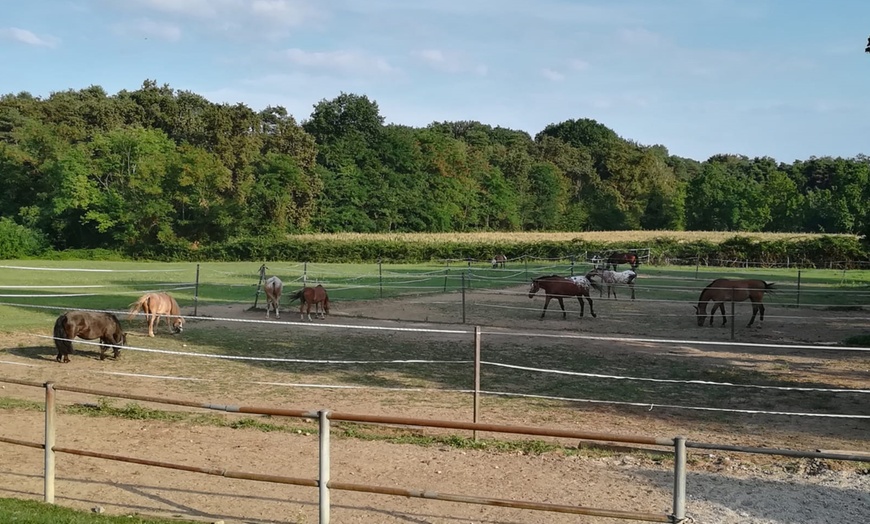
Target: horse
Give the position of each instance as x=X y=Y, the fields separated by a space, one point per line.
x=88 y=325
x=622 y=258
x=722 y=290
x=559 y=287
x=155 y=305
x=499 y=261
x=611 y=278
x=312 y=296
x=273 y=288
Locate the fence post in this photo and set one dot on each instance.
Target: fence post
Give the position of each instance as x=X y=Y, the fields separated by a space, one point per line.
x=49 y=442
x=446 y=273
x=304 y=274
x=463 y=297
x=697 y=265
x=572 y=265
x=323 y=469
x=476 y=378
x=799 y=289
x=259 y=283
x=679 y=479
x=196 y=292
x=380 y=279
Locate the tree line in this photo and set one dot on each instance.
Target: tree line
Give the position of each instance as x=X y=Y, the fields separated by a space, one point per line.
x=154 y=168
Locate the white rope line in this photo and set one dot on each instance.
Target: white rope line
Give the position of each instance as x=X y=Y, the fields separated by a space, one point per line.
x=260 y=359
x=649 y=406
x=676 y=341
x=56 y=295
x=95 y=270
x=674 y=381
x=670 y=406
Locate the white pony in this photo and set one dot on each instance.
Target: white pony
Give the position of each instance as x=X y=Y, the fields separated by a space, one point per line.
x=273 y=287
x=612 y=278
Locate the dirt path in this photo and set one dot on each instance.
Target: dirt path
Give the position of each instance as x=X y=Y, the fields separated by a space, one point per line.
x=722 y=487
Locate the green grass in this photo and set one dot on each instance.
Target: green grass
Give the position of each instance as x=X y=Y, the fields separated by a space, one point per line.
x=15 y=511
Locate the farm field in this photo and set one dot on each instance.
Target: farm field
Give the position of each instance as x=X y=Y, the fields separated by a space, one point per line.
x=387 y=314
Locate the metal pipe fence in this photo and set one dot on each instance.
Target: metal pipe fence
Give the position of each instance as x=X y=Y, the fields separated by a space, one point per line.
x=323 y=482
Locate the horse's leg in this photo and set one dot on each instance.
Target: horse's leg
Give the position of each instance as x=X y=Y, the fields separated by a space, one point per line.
x=103 y=348
x=152 y=317
x=721 y=306
x=591 y=311
x=580 y=299
x=631 y=285
x=546 y=303
x=614 y=293
x=562 y=305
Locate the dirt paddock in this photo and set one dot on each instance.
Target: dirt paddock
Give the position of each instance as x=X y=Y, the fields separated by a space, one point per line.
x=722 y=487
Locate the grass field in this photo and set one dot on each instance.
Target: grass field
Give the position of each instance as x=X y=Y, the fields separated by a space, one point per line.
x=33 y=512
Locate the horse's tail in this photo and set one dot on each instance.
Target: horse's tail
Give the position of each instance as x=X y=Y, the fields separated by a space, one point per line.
x=768 y=287
x=137 y=306
x=296 y=296
x=63 y=346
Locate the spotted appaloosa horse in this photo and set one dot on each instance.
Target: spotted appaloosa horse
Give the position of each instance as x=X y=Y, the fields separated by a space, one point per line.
x=611 y=278
x=273 y=288
x=559 y=288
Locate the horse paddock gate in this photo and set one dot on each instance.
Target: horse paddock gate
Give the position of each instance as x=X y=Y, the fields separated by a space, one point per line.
x=323 y=482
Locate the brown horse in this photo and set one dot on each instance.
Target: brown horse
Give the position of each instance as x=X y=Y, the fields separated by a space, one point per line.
x=273 y=287
x=312 y=296
x=622 y=258
x=561 y=287
x=724 y=290
x=88 y=325
x=498 y=261
x=155 y=305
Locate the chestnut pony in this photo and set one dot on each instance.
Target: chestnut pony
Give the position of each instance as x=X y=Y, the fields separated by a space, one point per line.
x=312 y=296
x=562 y=287
x=156 y=305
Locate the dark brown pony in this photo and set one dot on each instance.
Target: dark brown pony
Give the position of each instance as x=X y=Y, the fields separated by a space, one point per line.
x=724 y=290
x=88 y=325
x=156 y=305
x=561 y=287
x=622 y=258
x=498 y=261
x=312 y=296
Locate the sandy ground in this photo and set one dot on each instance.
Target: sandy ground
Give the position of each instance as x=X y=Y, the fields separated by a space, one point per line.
x=722 y=487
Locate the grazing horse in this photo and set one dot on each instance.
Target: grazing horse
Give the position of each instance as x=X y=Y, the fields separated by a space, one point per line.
x=499 y=261
x=561 y=287
x=622 y=258
x=155 y=305
x=312 y=296
x=273 y=287
x=88 y=325
x=611 y=278
x=724 y=290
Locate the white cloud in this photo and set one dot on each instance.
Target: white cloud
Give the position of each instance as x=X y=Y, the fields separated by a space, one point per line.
x=578 y=65
x=260 y=18
x=150 y=29
x=553 y=75
x=341 y=61
x=24 y=36
x=450 y=62
x=641 y=37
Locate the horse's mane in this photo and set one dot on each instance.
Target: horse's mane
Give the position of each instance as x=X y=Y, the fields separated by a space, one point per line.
x=173 y=308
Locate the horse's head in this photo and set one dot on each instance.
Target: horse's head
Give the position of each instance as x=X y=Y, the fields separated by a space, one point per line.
x=535 y=288
x=177 y=325
x=701 y=313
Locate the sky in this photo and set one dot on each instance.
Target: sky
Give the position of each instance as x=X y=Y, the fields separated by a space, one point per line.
x=787 y=79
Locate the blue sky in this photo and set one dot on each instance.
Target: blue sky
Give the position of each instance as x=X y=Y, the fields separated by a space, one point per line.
x=782 y=78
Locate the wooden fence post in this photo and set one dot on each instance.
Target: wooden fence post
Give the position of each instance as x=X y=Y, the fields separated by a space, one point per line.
x=50 y=412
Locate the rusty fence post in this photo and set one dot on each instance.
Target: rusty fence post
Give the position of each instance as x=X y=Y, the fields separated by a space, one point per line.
x=50 y=412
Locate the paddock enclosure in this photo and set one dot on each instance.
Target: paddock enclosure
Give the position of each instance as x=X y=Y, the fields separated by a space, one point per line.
x=402 y=340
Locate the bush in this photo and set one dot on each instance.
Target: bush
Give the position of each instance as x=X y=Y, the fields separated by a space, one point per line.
x=17 y=241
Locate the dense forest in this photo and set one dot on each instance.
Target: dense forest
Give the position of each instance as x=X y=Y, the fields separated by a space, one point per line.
x=158 y=167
